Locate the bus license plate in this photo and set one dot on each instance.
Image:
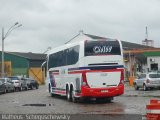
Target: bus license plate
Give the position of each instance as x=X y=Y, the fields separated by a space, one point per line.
x=104 y=91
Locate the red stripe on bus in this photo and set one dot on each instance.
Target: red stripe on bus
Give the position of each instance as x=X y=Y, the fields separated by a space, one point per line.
x=60 y=92
x=84 y=71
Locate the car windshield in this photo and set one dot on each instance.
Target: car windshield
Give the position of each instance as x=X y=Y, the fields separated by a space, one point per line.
x=2 y=80
x=154 y=75
x=14 y=78
x=142 y=76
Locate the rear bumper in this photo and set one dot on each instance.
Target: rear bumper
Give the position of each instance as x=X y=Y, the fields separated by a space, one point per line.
x=32 y=85
x=152 y=85
x=101 y=92
x=17 y=85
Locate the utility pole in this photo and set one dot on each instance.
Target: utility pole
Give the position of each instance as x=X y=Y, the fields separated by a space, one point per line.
x=16 y=25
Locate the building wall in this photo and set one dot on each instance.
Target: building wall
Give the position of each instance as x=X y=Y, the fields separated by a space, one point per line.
x=20 y=72
x=35 y=63
x=19 y=65
x=144 y=67
x=153 y=63
x=153 y=60
x=17 y=61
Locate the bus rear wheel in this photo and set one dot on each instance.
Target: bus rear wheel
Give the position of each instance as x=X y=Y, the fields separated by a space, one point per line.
x=74 y=99
x=68 y=94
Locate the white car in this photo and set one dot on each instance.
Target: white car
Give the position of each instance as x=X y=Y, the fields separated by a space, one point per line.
x=19 y=83
x=147 y=80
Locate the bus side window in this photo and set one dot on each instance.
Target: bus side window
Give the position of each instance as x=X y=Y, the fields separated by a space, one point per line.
x=73 y=55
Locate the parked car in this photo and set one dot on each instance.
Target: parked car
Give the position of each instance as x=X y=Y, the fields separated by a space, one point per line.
x=31 y=83
x=2 y=87
x=147 y=80
x=9 y=87
x=19 y=83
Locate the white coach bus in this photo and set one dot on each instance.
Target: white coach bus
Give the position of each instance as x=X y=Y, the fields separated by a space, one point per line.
x=86 y=69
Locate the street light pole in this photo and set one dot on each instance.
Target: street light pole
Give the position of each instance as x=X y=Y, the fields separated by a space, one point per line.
x=3 y=37
x=2 y=52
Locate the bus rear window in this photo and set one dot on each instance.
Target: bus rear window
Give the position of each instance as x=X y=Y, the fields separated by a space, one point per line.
x=102 y=48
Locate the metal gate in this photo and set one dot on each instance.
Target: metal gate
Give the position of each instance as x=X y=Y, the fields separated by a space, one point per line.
x=37 y=74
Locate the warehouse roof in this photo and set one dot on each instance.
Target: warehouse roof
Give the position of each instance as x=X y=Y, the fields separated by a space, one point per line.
x=30 y=55
x=131 y=46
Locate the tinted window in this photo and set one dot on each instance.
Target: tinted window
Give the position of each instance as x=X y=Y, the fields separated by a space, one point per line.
x=62 y=58
x=56 y=59
x=154 y=75
x=143 y=76
x=2 y=80
x=14 y=78
x=109 y=47
x=72 y=55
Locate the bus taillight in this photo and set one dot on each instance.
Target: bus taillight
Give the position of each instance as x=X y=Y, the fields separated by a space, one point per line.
x=84 y=84
x=122 y=77
x=84 y=80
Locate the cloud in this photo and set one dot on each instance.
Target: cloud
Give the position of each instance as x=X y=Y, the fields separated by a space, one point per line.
x=53 y=22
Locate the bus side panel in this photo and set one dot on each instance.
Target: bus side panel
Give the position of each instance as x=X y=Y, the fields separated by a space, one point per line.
x=72 y=79
x=59 y=82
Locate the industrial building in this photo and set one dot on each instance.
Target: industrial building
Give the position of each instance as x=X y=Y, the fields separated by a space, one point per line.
x=24 y=64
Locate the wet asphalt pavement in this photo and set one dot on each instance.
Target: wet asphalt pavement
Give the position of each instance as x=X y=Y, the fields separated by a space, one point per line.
x=128 y=106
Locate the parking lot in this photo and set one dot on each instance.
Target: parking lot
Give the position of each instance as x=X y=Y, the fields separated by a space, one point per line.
x=38 y=101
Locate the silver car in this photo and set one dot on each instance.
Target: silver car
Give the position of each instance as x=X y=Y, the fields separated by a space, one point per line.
x=147 y=80
x=19 y=83
x=2 y=87
x=8 y=85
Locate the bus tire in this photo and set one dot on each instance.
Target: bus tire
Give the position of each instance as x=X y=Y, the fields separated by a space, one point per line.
x=68 y=94
x=74 y=99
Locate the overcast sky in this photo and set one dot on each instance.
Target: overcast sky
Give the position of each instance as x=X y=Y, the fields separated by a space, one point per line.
x=50 y=23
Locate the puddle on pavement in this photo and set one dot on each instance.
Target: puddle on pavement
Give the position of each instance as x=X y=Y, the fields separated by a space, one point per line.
x=38 y=105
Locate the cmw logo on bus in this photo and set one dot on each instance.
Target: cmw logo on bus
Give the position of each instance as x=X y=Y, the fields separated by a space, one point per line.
x=102 y=49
